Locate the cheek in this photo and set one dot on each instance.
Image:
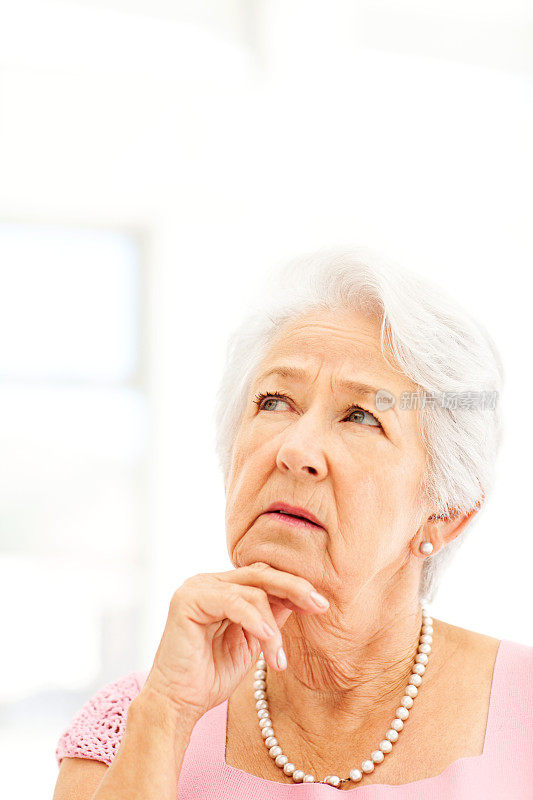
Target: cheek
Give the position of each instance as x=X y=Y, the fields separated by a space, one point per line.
x=247 y=443
x=364 y=493
x=243 y=485
x=383 y=491
x=240 y=458
x=253 y=454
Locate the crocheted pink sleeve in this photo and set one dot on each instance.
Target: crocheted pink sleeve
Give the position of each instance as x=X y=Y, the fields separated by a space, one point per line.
x=96 y=730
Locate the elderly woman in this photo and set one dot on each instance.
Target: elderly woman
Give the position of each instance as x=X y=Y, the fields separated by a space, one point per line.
x=358 y=426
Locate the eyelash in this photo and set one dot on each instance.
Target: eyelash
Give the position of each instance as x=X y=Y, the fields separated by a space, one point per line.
x=261 y=396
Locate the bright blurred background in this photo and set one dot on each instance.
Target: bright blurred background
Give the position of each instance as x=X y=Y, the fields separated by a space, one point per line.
x=155 y=159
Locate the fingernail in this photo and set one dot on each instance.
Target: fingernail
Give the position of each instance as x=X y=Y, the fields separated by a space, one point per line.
x=318 y=599
x=282 y=658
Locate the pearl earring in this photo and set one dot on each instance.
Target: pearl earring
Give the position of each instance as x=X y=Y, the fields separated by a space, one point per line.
x=426 y=548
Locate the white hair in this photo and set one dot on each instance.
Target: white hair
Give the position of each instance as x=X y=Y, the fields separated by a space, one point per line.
x=428 y=336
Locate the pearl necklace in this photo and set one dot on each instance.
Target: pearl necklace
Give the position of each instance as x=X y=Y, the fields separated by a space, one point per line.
x=385 y=746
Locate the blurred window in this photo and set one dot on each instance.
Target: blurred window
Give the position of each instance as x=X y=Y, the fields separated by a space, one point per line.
x=73 y=433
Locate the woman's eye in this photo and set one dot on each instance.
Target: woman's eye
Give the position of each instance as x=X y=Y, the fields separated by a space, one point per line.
x=262 y=400
x=361 y=414
x=272 y=400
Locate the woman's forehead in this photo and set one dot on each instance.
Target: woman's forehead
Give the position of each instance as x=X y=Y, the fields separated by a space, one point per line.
x=346 y=345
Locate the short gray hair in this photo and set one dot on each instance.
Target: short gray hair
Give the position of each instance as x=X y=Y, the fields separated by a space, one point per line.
x=430 y=338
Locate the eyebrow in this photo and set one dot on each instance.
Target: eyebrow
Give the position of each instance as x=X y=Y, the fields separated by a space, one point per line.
x=300 y=374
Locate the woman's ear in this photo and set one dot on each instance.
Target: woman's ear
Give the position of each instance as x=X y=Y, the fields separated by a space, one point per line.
x=440 y=530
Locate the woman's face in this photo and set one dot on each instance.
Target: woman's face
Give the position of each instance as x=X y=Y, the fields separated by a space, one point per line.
x=328 y=449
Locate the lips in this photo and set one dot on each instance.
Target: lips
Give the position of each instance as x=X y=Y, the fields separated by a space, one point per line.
x=294 y=511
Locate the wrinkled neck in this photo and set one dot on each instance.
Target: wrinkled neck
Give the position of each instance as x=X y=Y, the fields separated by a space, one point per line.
x=341 y=674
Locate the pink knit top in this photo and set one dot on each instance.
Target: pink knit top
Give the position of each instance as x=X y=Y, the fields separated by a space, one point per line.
x=503 y=770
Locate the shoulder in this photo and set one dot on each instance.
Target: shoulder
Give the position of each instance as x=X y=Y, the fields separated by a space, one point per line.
x=505 y=662
x=465 y=646
x=96 y=729
x=482 y=646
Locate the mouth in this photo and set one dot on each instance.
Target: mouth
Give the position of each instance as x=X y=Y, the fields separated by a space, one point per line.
x=293 y=515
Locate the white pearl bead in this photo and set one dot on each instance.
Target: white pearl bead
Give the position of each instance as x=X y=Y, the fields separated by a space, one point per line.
x=385 y=746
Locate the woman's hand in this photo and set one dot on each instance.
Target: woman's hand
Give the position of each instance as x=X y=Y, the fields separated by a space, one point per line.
x=215 y=631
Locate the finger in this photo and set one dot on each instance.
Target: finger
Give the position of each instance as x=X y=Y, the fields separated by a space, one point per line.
x=259 y=598
x=292 y=588
x=292 y=606
x=260 y=622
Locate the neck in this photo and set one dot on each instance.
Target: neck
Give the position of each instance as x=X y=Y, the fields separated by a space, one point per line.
x=347 y=669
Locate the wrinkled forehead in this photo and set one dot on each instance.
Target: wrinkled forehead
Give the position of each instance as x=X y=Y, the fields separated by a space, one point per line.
x=344 y=343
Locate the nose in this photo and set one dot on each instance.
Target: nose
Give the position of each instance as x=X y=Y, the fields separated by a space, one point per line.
x=301 y=455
